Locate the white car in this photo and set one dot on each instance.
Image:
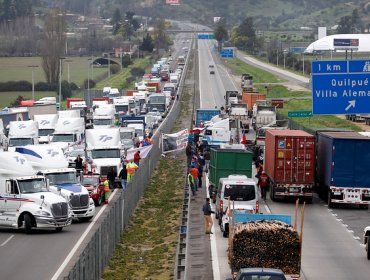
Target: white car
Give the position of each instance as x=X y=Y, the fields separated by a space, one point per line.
x=156 y=114
x=227 y=215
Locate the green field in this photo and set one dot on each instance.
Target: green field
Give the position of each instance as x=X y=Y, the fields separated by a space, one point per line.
x=9 y=96
x=17 y=69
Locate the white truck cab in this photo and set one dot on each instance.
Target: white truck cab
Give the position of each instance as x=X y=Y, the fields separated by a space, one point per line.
x=217 y=133
x=103 y=116
x=25 y=199
x=68 y=131
x=51 y=162
x=47 y=125
x=103 y=150
x=23 y=133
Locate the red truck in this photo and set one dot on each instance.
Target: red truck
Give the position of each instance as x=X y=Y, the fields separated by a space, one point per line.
x=157 y=85
x=290 y=163
x=69 y=100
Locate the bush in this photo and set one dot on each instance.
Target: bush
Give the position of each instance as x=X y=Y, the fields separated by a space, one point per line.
x=73 y=86
x=43 y=86
x=126 y=61
x=114 y=69
x=66 y=90
x=137 y=72
x=16 y=86
x=130 y=79
x=91 y=84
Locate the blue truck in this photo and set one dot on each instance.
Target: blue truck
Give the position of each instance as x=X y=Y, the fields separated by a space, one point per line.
x=342 y=163
x=204 y=115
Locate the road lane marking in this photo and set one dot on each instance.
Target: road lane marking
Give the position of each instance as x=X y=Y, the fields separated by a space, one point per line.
x=6 y=241
x=79 y=242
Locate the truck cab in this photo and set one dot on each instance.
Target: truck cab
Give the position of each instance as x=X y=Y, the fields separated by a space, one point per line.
x=25 y=199
x=47 y=125
x=216 y=134
x=68 y=131
x=23 y=133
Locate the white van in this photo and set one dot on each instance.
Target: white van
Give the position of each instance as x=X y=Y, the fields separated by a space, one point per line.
x=242 y=192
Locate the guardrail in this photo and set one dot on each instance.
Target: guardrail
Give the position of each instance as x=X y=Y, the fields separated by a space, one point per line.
x=89 y=262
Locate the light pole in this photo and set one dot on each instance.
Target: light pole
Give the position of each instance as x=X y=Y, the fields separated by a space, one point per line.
x=68 y=61
x=88 y=80
x=33 y=80
x=60 y=81
x=108 y=65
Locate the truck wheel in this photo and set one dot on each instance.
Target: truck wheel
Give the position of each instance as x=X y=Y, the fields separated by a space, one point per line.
x=99 y=201
x=224 y=233
x=85 y=219
x=217 y=215
x=308 y=200
x=27 y=223
x=220 y=220
x=58 y=229
x=330 y=204
x=368 y=250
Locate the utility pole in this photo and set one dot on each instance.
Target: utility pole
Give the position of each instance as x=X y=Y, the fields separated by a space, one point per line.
x=60 y=81
x=33 y=80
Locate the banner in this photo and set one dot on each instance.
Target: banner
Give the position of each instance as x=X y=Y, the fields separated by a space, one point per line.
x=175 y=141
x=144 y=151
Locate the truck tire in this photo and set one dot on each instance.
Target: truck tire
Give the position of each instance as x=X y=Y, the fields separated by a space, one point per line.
x=308 y=200
x=225 y=233
x=368 y=250
x=58 y=229
x=272 y=192
x=99 y=201
x=330 y=204
x=27 y=223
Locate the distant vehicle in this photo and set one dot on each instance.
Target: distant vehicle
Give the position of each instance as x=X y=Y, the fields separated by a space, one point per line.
x=212 y=72
x=93 y=185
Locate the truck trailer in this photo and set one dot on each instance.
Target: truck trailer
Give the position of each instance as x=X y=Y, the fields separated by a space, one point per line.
x=290 y=163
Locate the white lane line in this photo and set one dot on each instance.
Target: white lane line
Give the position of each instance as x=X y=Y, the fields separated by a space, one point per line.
x=79 y=242
x=267 y=209
x=214 y=254
x=6 y=241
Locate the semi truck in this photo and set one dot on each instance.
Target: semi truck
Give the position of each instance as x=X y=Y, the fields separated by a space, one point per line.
x=103 y=150
x=23 y=133
x=263 y=241
x=290 y=163
x=158 y=101
x=47 y=125
x=103 y=116
x=51 y=162
x=342 y=168
x=228 y=160
x=25 y=200
x=68 y=132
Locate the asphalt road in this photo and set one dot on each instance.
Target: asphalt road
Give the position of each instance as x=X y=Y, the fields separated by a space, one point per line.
x=40 y=255
x=332 y=248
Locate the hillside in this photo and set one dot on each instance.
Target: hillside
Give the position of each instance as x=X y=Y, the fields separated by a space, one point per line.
x=267 y=14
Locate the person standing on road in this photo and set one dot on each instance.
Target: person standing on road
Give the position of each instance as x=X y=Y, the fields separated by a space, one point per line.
x=191 y=183
x=78 y=162
x=189 y=153
x=123 y=176
x=263 y=183
x=207 y=158
x=137 y=158
x=207 y=211
x=131 y=168
x=111 y=177
x=195 y=172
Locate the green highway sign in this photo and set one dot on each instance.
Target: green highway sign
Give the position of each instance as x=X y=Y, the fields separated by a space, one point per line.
x=299 y=114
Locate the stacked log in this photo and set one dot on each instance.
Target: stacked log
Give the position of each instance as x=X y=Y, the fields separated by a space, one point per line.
x=269 y=244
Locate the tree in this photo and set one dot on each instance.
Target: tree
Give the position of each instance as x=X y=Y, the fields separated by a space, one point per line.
x=53 y=43
x=17 y=101
x=161 y=40
x=345 y=25
x=66 y=90
x=244 y=36
x=221 y=35
x=147 y=44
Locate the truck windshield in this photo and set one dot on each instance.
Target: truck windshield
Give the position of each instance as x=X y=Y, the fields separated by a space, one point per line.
x=103 y=121
x=121 y=108
x=46 y=132
x=63 y=138
x=125 y=135
x=106 y=153
x=62 y=178
x=240 y=192
x=261 y=133
x=32 y=186
x=13 y=142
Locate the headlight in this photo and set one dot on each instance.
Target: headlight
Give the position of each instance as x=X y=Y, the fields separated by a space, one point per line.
x=43 y=213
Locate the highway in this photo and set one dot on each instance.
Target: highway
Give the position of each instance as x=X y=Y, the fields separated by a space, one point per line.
x=41 y=254
x=332 y=248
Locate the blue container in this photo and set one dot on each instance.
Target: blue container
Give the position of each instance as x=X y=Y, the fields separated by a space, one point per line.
x=204 y=115
x=183 y=229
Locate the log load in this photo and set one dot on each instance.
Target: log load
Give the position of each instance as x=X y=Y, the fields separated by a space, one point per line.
x=269 y=244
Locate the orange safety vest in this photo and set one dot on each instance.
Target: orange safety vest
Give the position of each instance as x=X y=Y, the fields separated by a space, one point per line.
x=131 y=168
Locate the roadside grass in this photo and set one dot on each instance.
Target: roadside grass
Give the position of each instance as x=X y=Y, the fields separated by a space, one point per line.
x=16 y=69
x=7 y=97
x=315 y=121
x=238 y=67
x=148 y=246
x=119 y=80
x=280 y=91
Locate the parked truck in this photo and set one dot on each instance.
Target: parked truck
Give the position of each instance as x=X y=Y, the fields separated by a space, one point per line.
x=217 y=133
x=342 y=168
x=25 y=199
x=103 y=116
x=47 y=125
x=263 y=241
x=50 y=161
x=232 y=97
x=261 y=132
x=290 y=163
x=228 y=160
x=251 y=98
x=68 y=132
x=203 y=115
x=158 y=101
x=264 y=115
x=103 y=150
x=23 y=133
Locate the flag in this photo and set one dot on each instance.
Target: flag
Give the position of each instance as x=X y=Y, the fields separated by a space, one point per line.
x=144 y=151
x=175 y=141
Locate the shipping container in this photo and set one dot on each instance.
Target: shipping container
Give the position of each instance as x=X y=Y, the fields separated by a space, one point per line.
x=157 y=86
x=250 y=99
x=203 y=115
x=290 y=163
x=228 y=160
x=73 y=99
x=342 y=173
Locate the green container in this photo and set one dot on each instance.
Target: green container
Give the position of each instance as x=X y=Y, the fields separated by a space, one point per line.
x=225 y=162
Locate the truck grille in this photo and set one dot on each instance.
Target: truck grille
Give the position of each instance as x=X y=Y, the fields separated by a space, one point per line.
x=59 y=209
x=104 y=170
x=79 y=201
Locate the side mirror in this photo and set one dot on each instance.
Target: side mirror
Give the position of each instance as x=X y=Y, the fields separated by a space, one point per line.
x=47 y=183
x=42 y=197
